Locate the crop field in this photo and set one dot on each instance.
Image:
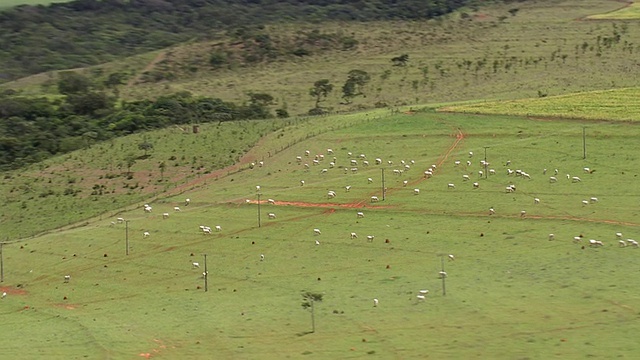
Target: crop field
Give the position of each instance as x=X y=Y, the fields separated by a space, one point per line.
x=618 y=104
x=629 y=12
x=510 y=292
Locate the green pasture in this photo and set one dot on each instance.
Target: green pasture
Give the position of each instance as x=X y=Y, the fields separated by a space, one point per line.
x=631 y=11
x=510 y=293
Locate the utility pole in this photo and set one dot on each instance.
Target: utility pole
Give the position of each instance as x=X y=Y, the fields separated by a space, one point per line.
x=259 y=209
x=444 y=276
x=1 y=264
x=384 y=189
x=485 y=162
x=584 y=142
x=126 y=235
x=206 y=274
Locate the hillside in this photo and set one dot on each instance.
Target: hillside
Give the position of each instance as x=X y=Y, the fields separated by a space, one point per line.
x=489 y=56
x=80 y=33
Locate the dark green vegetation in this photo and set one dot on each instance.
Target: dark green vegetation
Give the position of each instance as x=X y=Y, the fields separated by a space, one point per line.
x=34 y=129
x=80 y=33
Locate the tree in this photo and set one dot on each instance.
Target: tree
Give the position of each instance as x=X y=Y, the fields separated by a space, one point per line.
x=400 y=60
x=73 y=83
x=162 y=166
x=308 y=299
x=130 y=160
x=356 y=80
x=320 y=90
x=145 y=146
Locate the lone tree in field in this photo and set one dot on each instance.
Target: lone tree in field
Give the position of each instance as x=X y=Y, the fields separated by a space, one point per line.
x=308 y=299
x=356 y=80
x=400 y=60
x=162 y=166
x=320 y=90
x=130 y=160
x=145 y=146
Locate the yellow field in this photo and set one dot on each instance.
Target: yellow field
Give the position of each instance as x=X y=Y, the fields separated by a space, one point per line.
x=619 y=104
x=629 y=11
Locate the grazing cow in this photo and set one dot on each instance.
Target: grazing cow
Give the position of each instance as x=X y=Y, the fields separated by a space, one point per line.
x=195 y=265
x=523 y=213
x=317 y=231
x=476 y=185
x=416 y=191
x=360 y=214
x=271 y=201
x=218 y=228
x=595 y=243
x=271 y=215
x=594 y=199
x=120 y=220
x=552 y=236
x=354 y=235
x=491 y=211
x=370 y=238
x=261 y=257
x=420 y=297
x=301 y=182
x=67 y=278
x=369 y=180
x=317 y=242
x=404 y=183
x=4 y=294
x=145 y=234
x=165 y=215
x=375 y=302
x=451 y=186
x=374 y=199
x=575 y=179
x=176 y=208
x=451 y=257
x=347 y=188
x=536 y=201
x=553 y=179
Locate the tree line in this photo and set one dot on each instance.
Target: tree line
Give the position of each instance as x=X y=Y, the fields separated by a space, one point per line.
x=81 y=33
x=33 y=129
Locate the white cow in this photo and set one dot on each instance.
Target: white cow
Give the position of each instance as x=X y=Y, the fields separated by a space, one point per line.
x=374 y=199
x=370 y=238
x=145 y=234
x=67 y=278
x=317 y=231
x=195 y=265
x=271 y=215
x=354 y=235
x=360 y=214
x=165 y=215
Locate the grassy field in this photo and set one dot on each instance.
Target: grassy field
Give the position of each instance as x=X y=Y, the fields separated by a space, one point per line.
x=510 y=293
x=629 y=12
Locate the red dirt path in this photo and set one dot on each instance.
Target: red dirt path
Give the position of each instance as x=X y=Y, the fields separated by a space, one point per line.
x=12 y=291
